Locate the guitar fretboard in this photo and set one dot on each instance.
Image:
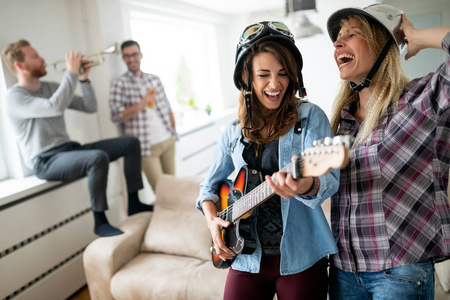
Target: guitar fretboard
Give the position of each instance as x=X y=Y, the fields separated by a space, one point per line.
x=255 y=197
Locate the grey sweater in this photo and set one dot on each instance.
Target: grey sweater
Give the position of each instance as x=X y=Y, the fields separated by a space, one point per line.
x=38 y=117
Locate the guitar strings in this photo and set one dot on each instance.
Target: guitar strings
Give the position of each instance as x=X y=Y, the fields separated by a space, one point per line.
x=249 y=196
x=242 y=202
x=346 y=140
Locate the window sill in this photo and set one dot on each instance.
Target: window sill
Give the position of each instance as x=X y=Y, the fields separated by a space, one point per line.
x=12 y=190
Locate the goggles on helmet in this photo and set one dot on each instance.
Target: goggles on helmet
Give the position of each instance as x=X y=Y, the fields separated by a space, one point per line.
x=256 y=30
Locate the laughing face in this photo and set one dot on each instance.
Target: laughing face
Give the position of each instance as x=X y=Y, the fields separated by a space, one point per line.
x=352 y=53
x=270 y=80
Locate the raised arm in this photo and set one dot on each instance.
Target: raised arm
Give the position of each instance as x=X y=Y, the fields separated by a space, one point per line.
x=87 y=103
x=419 y=39
x=51 y=102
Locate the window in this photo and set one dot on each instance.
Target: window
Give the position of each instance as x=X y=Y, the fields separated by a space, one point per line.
x=183 y=54
x=10 y=158
x=3 y=169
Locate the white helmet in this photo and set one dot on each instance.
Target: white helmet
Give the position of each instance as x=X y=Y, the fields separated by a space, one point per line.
x=388 y=16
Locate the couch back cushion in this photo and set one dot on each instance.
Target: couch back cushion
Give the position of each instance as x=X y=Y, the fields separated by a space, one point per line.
x=177 y=227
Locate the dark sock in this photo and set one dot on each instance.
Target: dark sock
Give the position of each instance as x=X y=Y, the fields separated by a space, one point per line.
x=135 y=206
x=102 y=227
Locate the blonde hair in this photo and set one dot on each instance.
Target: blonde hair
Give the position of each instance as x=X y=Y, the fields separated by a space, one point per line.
x=388 y=82
x=13 y=52
x=281 y=119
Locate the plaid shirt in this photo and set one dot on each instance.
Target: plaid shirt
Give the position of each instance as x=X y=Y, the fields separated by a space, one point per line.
x=129 y=90
x=392 y=208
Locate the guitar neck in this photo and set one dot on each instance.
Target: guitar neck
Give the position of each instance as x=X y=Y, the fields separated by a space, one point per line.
x=257 y=196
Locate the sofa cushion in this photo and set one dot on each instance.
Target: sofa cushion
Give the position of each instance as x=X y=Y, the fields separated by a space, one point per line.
x=177 y=227
x=154 y=276
x=215 y=278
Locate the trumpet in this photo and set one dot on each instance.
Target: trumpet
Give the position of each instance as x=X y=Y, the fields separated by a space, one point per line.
x=94 y=59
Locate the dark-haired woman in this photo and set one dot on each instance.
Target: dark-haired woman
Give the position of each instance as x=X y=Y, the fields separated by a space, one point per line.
x=292 y=236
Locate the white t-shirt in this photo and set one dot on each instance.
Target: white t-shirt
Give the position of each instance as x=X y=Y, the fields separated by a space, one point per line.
x=158 y=131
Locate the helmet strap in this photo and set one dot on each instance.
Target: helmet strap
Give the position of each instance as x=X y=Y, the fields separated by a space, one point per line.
x=368 y=80
x=248 y=107
x=247 y=97
x=302 y=90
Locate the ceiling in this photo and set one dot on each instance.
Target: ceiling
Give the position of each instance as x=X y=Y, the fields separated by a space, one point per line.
x=233 y=6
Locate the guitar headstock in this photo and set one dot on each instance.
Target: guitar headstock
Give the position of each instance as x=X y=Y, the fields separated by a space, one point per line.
x=328 y=154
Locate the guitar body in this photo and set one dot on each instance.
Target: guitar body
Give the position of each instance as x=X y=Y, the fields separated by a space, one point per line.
x=237 y=236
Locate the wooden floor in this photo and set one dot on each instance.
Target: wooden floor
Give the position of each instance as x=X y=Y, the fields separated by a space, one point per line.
x=82 y=294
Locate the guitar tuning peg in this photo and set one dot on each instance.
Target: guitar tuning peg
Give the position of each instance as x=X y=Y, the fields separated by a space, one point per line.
x=346 y=140
x=318 y=143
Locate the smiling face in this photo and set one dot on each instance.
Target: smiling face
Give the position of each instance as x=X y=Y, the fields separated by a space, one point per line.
x=352 y=54
x=270 y=80
x=132 y=57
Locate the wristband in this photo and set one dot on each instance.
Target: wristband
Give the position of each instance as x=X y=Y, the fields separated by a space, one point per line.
x=85 y=81
x=314 y=188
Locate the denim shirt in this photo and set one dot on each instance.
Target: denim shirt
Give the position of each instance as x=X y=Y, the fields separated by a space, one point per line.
x=306 y=235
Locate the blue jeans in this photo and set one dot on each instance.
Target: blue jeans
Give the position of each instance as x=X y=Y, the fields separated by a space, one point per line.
x=415 y=281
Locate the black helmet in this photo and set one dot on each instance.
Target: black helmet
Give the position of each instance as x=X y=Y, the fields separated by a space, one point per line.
x=276 y=31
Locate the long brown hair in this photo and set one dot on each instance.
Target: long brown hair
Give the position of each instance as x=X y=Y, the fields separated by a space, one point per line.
x=389 y=81
x=279 y=120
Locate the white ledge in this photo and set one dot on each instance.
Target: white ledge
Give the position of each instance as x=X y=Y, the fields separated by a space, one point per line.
x=14 y=189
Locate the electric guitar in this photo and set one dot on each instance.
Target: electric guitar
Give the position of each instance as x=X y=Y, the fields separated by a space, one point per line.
x=238 y=200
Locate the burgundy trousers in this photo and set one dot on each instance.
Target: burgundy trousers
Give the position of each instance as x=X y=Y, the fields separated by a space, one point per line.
x=310 y=284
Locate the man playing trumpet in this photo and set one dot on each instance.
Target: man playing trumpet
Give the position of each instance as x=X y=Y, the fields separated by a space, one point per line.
x=36 y=109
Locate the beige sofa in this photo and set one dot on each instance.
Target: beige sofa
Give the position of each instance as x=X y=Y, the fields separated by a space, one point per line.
x=161 y=255
x=165 y=254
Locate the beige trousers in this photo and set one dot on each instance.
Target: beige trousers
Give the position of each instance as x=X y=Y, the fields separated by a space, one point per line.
x=160 y=161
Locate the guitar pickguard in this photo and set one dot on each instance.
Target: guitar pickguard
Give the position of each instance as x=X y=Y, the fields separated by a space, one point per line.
x=238 y=235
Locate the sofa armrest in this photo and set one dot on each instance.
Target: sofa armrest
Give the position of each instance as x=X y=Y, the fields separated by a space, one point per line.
x=443 y=274
x=104 y=256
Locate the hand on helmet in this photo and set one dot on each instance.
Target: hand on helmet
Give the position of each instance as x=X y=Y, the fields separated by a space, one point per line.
x=409 y=30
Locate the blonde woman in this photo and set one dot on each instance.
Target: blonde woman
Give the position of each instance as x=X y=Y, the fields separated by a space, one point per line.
x=390 y=218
